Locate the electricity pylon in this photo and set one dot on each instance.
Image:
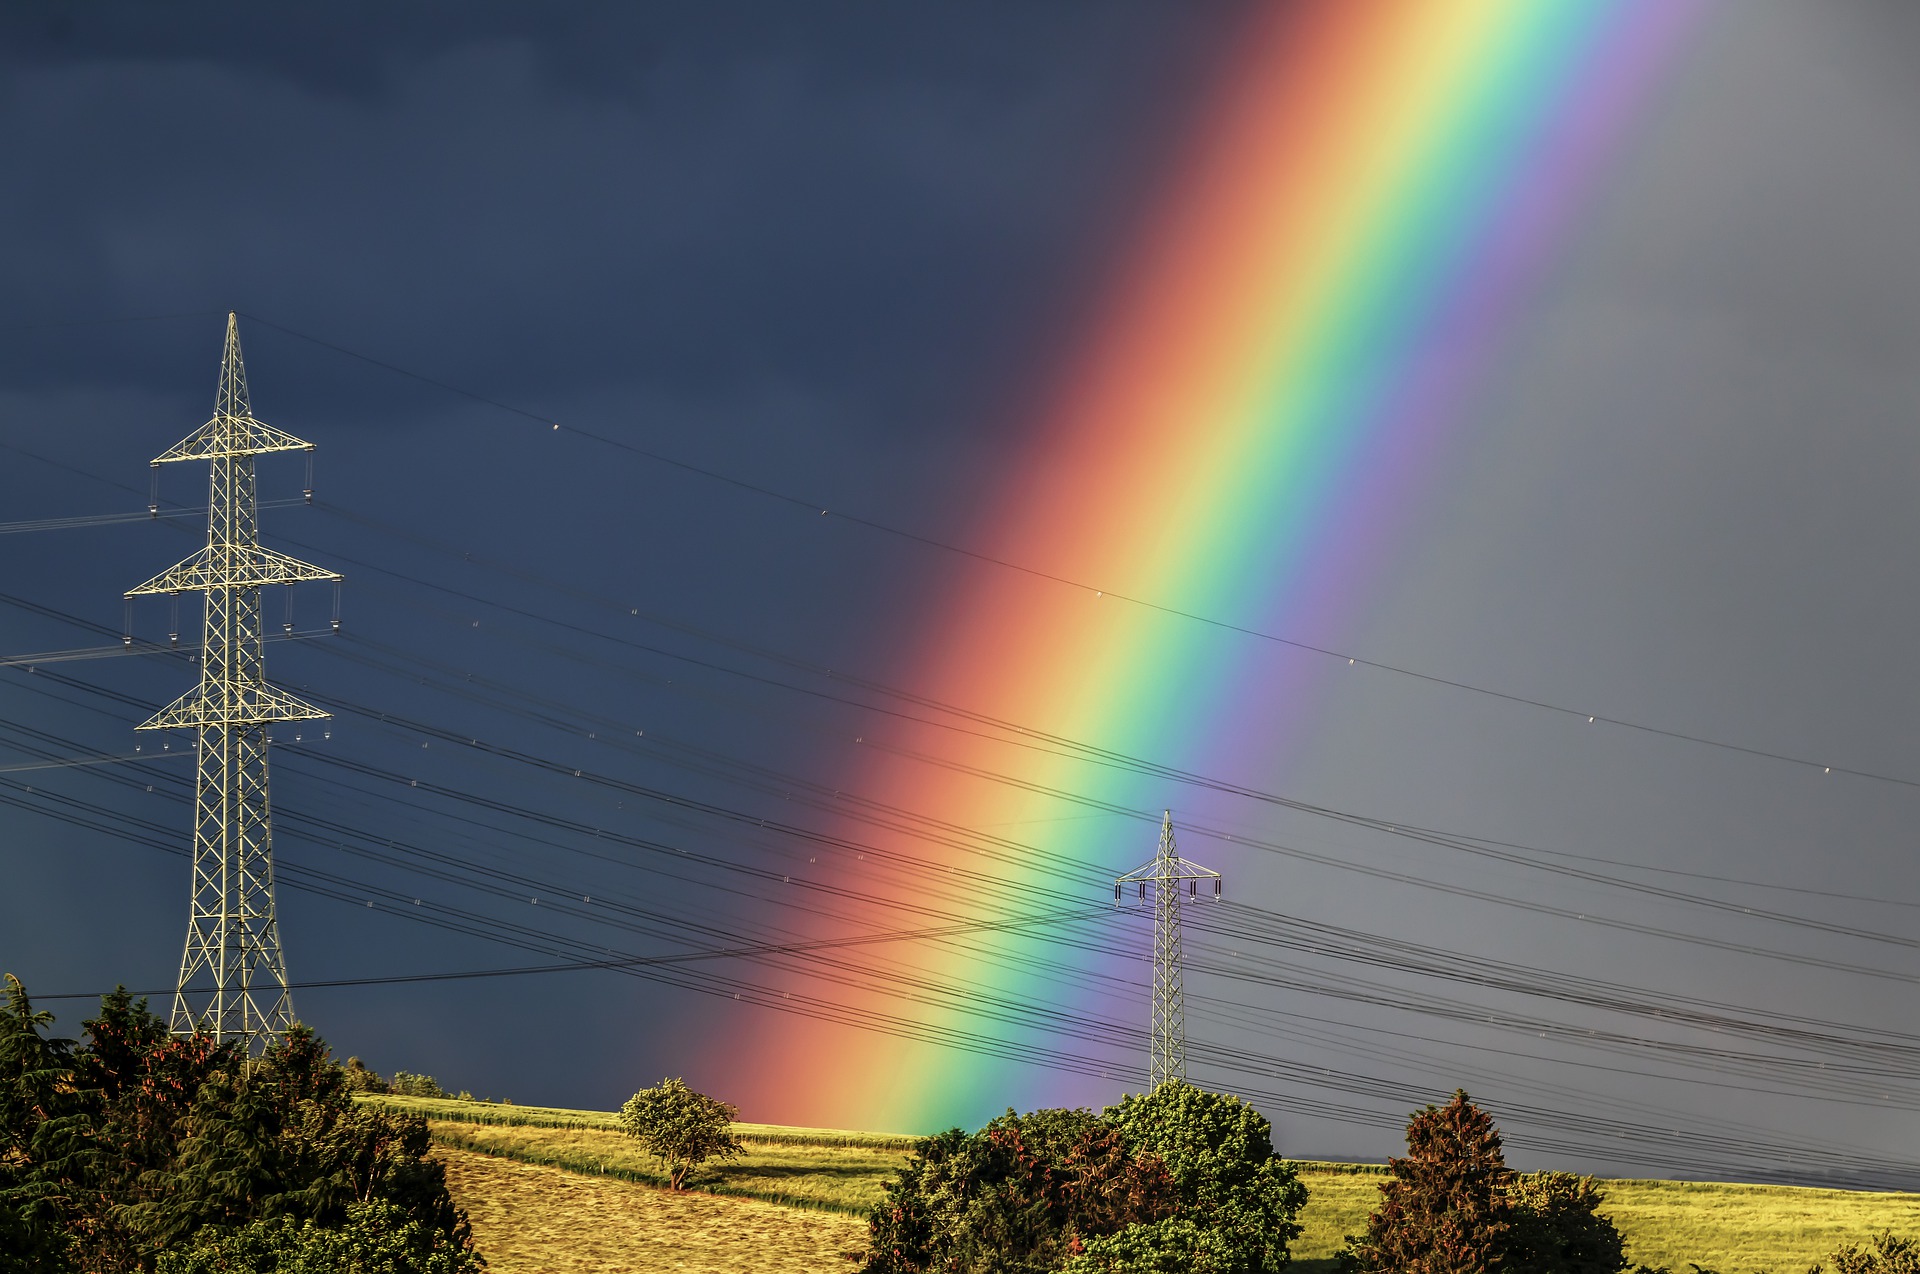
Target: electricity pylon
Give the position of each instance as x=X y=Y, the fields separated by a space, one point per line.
x=1167 y=1057
x=233 y=977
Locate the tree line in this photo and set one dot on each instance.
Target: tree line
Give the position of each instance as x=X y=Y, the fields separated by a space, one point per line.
x=134 y=1149
x=1183 y=1181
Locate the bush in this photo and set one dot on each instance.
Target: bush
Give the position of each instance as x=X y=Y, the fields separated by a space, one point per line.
x=140 y=1141
x=376 y=1238
x=1882 y=1255
x=1237 y=1201
x=1022 y=1194
x=681 y=1128
x=361 y=1080
x=1180 y=1180
x=1558 y=1229
x=405 y=1084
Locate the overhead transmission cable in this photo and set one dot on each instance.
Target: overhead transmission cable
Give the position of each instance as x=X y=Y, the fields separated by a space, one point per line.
x=1719 y=1025
x=813 y=506
x=1022 y=736
x=1295 y=1102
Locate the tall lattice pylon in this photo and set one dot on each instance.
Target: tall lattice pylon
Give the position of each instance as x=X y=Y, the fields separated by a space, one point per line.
x=233 y=976
x=1166 y=874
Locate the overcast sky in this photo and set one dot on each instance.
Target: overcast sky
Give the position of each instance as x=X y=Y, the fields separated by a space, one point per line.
x=833 y=250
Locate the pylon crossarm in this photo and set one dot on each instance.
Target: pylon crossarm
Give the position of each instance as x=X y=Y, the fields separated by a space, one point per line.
x=239 y=705
x=247 y=566
x=1167 y=869
x=231 y=436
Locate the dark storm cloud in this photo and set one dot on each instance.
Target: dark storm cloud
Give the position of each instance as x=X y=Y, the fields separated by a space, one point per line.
x=835 y=247
x=776 y=199
x=828 y=245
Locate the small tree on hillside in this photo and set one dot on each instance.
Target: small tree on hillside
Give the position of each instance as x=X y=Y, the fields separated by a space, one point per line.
x=681 y=1128
x=1558 y=1229
x=407 y=1084
x=360 y=1079
x=1446 y=1207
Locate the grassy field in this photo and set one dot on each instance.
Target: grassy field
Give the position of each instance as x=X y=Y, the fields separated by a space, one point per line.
x=494 y=1114
x=533 y=1220
x=1730 y=1228
x=832 y=1178
x=836 y=1175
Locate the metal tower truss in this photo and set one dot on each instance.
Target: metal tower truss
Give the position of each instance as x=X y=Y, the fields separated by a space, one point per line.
x=233 y=976
x=1166 y=874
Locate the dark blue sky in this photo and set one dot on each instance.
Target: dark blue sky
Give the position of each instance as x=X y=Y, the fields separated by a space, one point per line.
x=834 y=250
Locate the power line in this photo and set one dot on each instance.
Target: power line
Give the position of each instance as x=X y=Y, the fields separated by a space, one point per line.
x=1526 y=981
x=1589 y=916
x=115 y=519
x=1353 y=659
x=1463 y=842
x=1293 y=1102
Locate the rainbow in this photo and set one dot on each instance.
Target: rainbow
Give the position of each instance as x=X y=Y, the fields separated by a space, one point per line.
x=1344 y=252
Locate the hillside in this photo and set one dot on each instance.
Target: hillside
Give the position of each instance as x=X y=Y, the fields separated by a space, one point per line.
x=563 y=1190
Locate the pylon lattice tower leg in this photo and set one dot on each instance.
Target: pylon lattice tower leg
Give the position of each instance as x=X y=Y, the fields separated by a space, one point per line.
x=233 y=975
x=1169 y=1049
x=1167 y=874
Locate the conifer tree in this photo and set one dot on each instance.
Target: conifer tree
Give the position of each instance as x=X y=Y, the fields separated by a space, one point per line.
x=43 y=1139
x=1446 y=1208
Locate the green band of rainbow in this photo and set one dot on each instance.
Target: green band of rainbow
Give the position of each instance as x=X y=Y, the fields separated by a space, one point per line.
x=1343 y=254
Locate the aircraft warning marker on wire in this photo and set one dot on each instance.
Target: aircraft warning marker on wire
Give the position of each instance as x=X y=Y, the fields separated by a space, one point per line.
x=1166 y=875
x=233 y=976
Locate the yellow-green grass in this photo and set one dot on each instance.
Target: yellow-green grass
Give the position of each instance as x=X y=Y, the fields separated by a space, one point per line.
x=529 y=1219
x=501 y=1114
x=834 y=1178
x=1731 y=1228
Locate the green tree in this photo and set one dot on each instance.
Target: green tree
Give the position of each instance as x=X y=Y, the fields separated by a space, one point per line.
x=1558 y=1229
x=139 y=1141
x=1021 y=1195
x=1445 y=1209
x=681 y=1128
x=362 y=1080
x=1237 y=1203
x=373 y=1238
x=1884 y=1254
x=45 y=1154
x=407 y=1084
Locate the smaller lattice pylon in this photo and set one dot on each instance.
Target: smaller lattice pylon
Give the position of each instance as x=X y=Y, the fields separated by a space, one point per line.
x=1166 y=874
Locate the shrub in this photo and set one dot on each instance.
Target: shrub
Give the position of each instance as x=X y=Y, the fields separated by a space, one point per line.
x=1883 y=1255
x=376 y=1238
x=1022 y=1194
x=1558 y=1229
x=406 y=1084
x=681 y=1128
x=1179 y=1181
x=362 y=1080
x=1236 y=1200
